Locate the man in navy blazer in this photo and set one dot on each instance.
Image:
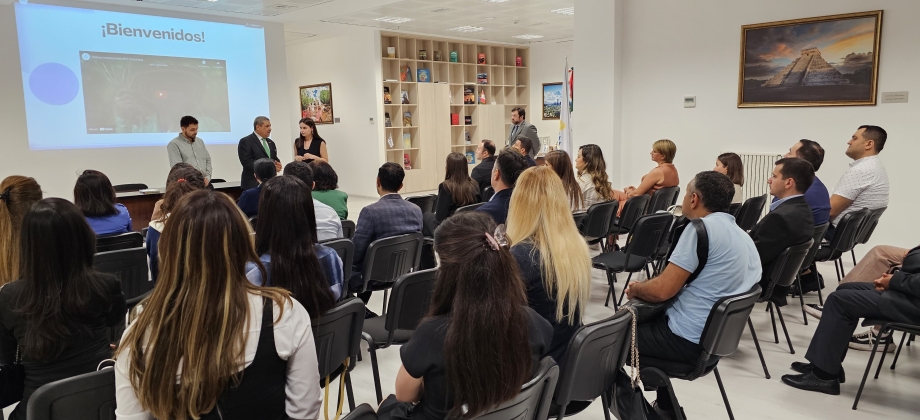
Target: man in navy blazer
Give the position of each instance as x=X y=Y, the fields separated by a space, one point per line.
x=389 y=216
x=249 y=199
x=256 y=146
x=508 y=167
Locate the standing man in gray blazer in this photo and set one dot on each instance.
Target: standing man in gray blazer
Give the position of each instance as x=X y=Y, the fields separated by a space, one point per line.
x=522 y=128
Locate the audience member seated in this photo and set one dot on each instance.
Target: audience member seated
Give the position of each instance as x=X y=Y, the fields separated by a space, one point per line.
x=389 y=216
x=559 y=162
x=480 y=342
x=208 y=343
x=893 y=298
x=264 y=169
x=508 y=167
x=553 y=257
x=95 y=197
x=187 y=180
x=328 y=224
x=817 y=196
x=56 y=315
x=326 y=190
x=592 y=175
x=457 y=190
x=732 y=267
x=289 y=255
x=482 y=173
x=662 y=176
x=524 y=146
x=17 y=195
x=789 y=221
x=730 y=165
x=171 y=178
x=865 y=184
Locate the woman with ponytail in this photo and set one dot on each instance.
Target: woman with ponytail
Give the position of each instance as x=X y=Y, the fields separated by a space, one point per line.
x=17 y=195
x=187 y=180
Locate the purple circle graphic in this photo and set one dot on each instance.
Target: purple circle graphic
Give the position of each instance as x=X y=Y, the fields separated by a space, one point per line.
x=54 y=84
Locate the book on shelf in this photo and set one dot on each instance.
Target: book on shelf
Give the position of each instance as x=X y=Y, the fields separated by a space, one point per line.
x=391 y=52
x=482 y=96
x=469 y=95
x=454 y=118
x=468 y=120
x=470 y=158
x=422 y=54
x=387 y=99
x=407 y=140
x=407 y=163
x=466 y=137
x=424 y=75
x=482 y=78
x=481 y=59
x=407 y=119
x=404 y=96
x=386 y=116
x=454 y=57
x=437 y=56
x=405 y=74
x=390 y=140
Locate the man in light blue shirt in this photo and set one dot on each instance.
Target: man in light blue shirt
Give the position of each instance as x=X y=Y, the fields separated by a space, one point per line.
x=732 y=267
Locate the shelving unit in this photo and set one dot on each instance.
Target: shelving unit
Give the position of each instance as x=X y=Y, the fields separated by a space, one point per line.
x=432 y=135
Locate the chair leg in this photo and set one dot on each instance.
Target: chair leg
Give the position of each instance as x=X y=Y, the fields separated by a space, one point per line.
x=728 y=407
x=798 y=282
x=862 y=384
x=605 y=400
x=624 y=289
x=773 y=320
x=843 y=272
x=820 y=295
x=611 y=277
x=853 y=253
x=384 y=310
x=884 y=352
x=838 y=269
x=782 y=322
x=898 y=353
x=349 y=391
x=648 y=275
x=371 y=350
x=759 y=353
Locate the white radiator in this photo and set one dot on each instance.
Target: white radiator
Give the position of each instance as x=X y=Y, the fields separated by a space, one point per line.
x=757 y=169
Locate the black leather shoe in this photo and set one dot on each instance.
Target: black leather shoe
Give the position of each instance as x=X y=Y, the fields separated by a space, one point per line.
x=810 y=382
x=802 y=367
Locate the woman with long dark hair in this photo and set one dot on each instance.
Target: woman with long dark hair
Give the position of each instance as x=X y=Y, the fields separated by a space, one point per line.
x=730 y=165
x=457 y=190
x=208 y=343
x=561 y=164
x=309 y=146
x=95 y=197
x=287 y=248
x=57 y=313
x=17 y=195
x=479 y=342
x=187 y=180
x=592 y=174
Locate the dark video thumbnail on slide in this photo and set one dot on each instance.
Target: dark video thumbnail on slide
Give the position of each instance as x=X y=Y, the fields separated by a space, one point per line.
x=130 y=93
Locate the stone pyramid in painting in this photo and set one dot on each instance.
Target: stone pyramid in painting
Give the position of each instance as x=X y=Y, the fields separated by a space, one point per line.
x=810 y=69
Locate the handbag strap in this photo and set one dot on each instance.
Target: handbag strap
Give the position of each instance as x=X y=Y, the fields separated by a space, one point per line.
x=702 y=248
x=633 y=350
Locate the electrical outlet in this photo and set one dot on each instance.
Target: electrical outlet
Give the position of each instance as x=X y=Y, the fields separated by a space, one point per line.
x=689 y=101
x=371 y=120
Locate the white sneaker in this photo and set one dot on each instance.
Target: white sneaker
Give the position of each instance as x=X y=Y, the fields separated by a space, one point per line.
x=814 y=310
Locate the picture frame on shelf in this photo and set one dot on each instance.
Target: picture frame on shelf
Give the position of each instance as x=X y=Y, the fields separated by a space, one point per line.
x=316 y=103
x=819 y=61
x=552 y=101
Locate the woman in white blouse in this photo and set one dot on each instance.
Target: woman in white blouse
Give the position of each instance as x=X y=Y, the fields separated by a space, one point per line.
x=592 y=175
x=731 y=166
x=208 y=343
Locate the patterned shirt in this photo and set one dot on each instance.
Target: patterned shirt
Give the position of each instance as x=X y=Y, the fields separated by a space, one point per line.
x=865 y=183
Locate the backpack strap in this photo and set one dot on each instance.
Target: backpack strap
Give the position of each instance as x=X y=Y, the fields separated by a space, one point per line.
x=702 y=248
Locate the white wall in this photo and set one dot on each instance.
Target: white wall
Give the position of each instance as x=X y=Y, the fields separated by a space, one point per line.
x=693 y=49
x=351 y=62
x=547 y=61
x=56 y=170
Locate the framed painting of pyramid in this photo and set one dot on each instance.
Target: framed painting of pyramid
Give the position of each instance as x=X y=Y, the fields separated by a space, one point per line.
x=821 y=61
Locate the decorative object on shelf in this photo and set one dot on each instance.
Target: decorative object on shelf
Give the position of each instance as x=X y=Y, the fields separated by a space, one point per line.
x=390 y=140
x=518 y=61
x=466 y=137
x=407 y=163
x=387 y=99
x=316 y=103
x=391 y=52
x=422 y=54
x=454 y=118
x=407 y=119
x=437 y=56
x=470 y=158
x=453 y=56
x=482 y=78
x=407 y=140
x=552 y=101
x=387 y=121
x=482 y=96
x=469 y=96
x=468 y=120
x=827 y=60
x=404 y=97
x=424 y=75
x=405 y=74
x=481 y=58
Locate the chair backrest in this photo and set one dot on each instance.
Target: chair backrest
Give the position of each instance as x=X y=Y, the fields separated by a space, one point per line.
x=348 y=229
x=424 y=202
x=787 y=265
x=362 y=412
x=733 y=210
x=129 y=266
x=254 y=222
x=869 y=224
x=845 y=233
x=750 y=212
x=217 y=180
x=535 y=398
x=120 y=241
x=594 y=357
x=662 y=199
x=129 y=187
x=726 y=322
x=645 y=235
x=346 y=250
x=90 y=396
x=409 y=301
x=470 y=207
x=487 y=194
x=598 y=218
x=337 y=335
x=389 y=258
x=633 y=208
x=579 y=219
x=820 y=230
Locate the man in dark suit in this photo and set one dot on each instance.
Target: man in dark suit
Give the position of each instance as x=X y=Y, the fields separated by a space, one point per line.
x=520 y=127
x=249 y=199
x=482 y=173
x=256 y=146
x=525 y=146
x=789 y=222
x=508 y=167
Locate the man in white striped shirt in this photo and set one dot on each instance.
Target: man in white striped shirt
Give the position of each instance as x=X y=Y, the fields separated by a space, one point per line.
x=865 y=184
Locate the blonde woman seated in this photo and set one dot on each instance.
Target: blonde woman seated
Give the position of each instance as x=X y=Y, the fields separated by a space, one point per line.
x=592 y=175
x=730 y=165
x=662 y=176
x=552 y=255
x=559 y=162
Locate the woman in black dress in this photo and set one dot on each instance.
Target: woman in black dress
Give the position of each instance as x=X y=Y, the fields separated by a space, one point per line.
x=310 y=146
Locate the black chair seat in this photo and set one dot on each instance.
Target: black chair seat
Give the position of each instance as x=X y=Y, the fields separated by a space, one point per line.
x=375 y=328
x=616 y=261
x=677 y=369
x=823 y=254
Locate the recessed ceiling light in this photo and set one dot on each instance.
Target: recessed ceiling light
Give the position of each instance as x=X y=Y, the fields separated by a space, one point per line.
x=565 y=11
x=467 y=29
x=212 y=1
x=494 y=1
x=393 y=19
x=527 y=36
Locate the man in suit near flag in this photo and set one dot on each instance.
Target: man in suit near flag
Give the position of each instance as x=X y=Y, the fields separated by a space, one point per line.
x=256 y=146
x=522 y=128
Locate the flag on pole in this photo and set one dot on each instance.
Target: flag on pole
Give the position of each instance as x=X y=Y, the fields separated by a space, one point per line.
x=565 y=117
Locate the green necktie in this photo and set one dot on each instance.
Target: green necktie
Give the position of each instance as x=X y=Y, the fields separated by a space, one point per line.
x=268 y=151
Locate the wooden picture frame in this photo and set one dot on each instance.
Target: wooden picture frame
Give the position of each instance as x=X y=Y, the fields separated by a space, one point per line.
x=552 y=110
x=314 y=103
x=819 y=61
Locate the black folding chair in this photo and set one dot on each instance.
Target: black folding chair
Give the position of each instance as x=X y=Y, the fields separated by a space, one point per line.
x=254 y=222
x=411 y=295
x=217 y=181
x=470 y=207
x=809 y=263
x=597 y=221
x=633 y=208
x=129 y=187
x=90 y=396
x=888 y=328
x=348 y=229
x=389 y=258
x=750 y=212
x=129 y=266
x=346 y=250
x=535 y=398
x=733 y=210
x=337 y=335
x=868 y=226
x=363 y=412
x=662 y=199
x=119 y=241
x=579 y=218
x=843 y=241
x=595 y=355
x=642 y=242
x=487 y=194
x=720 y=338
x=424 y=202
